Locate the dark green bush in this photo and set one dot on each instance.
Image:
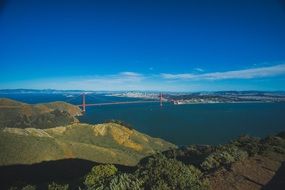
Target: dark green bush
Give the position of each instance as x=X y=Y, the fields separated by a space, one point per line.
x=118 y=182
x=158 y=172
x=193 y=154
x=281 y=134
x=124 y=182
x=273 y=144
x=27 y=187
x=13 y=188
x=224 y=155
x=273 y=141
x=99 y=175
x=55 y=186
x=249 y=144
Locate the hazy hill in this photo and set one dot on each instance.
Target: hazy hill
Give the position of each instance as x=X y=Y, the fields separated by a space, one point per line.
x=104 y=143
x=16 y=114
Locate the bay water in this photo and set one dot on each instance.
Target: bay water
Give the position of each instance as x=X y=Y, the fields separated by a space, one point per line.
x=179 y=124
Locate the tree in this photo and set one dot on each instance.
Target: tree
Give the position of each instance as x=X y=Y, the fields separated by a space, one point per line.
x=120 y=182
x=29 y=187
x=99 y=174
x=55 y=186
x=222 y=156
x=158 y=172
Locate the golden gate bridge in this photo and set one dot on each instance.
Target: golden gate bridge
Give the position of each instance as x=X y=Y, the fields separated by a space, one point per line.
x=84 y=104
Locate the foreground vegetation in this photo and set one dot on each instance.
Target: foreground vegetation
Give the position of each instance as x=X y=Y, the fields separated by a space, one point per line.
x=182 y=168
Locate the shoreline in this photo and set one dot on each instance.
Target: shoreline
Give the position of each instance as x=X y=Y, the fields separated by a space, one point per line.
x=248 y=102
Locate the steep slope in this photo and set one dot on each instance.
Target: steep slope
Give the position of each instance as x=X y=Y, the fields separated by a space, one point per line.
x=104 y=143
x=15 y=114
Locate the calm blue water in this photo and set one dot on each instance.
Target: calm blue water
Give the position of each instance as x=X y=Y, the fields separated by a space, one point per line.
x=182 y=124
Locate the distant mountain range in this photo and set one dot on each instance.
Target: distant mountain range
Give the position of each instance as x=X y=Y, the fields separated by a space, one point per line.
x=43 y=91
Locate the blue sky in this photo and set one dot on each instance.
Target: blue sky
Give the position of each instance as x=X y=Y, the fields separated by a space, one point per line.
x=143 y=45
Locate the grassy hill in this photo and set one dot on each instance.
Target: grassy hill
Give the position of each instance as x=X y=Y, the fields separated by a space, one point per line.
x=16 y=114
x=104 y=143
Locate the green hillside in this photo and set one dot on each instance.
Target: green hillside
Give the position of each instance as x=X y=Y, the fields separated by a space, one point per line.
x=104 y=143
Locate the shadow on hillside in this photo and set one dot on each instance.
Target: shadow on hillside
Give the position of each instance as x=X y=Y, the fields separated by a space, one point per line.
x=65 y=171
x=278 y=181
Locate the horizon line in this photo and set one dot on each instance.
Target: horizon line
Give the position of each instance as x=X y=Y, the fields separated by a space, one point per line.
x=50 y=89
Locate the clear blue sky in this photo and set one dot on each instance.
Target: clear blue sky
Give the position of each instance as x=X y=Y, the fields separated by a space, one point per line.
x=143 y=45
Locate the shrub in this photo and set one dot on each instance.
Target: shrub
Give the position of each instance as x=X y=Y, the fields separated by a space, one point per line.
x=158 y=172
x=249 y=144
x=281 y=134
x=99 y=174
x=217 y=159
x=29 y=187
x=273 y=144
x=13 y=188
x=273 y=141
x=222 y=156
x=118 y=182
x=55 y=186
x=235 y=152
x=124 y=182
x=193 y=154
x=211 y=162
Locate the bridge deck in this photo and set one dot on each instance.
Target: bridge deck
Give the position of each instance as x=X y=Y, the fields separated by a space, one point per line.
x=116 y=103
x=96 y=104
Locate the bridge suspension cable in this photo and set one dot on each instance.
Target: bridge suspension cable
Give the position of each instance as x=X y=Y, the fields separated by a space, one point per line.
x=84 y=104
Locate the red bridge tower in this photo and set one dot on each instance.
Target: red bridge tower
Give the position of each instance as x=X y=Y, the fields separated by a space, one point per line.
x=83 y=103
x=160 y=99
